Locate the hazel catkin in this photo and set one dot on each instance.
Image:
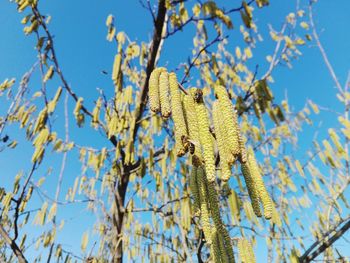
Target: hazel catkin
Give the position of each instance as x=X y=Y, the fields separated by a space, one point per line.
x=205 y=137
x=153 y=90
x=252 y=188
x=195 y=191
x=215 y=246
x=192 y=125
x=180 y=129
x=259 y=184
x=222 y=147
x=203 y=197
x=165 y=107
x=230 y=119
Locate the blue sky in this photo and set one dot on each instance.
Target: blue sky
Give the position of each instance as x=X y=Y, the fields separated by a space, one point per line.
x=80 y=38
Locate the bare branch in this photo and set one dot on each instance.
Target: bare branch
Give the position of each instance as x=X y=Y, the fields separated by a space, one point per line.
x=325 y=243
x=16 y=250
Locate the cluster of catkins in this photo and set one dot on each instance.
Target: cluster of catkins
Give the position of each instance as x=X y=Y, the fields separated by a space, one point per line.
x=193 y=134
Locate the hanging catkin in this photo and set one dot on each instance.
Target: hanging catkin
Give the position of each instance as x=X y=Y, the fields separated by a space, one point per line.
x=230 y=119
x=243 y=151
x=180 y=129
x=203 y=197
x=252 y=189
x=192 y=124
x=223 y=251
x=195 y=191
x=215 y=214
x=153 y=89
x=215 y=246
x=205 y=136
x=165 y=107
x=242 y=251
x=259 y=184
x=249 y=251
x=116 y=68
x=220 y=138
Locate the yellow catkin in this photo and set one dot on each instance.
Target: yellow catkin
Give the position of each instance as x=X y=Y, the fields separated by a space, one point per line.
x=243 y=151
x=249 y=251
x=215 y=214
x=230 y=119
x=259 y=183
x=203 y=197
x=195 y=191
x=252 y=189
x=205 y=136
x=223 y=252
x=165 y=107
x=180 y=129
x=215 y=246
x=220 y=138
x=242 y=251
x=116 y=68
x=192 y=124
x=153 y=90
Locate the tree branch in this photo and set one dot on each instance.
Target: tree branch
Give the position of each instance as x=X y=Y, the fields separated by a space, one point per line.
x=324 y=243
x=16 y=250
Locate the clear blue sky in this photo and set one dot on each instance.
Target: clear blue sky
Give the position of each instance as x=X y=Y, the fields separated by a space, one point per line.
x=80 y=38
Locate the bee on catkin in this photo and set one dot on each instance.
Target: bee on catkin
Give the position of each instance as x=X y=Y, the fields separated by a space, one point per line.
x=165 y=107
x=203 y=197
x=252 y=189
x=259 y=184
x=180 y=129
x=153 y=90
x=220 y=138
x=192 y=125
x=230 y=119
x=205 y=136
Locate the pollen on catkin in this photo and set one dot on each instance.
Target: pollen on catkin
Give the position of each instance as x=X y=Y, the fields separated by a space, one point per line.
x=192 y=125
x=165 y=107
x=252 y=188
x=259 y=184
x=153 y=90
x=205 y=137
x=203 y=197
x=180 y=129
x=230 y=119
x=222 y=147
x=195 y=191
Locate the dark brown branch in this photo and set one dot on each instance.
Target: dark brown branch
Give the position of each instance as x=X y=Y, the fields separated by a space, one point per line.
x=215 y=40
x=324 y=243
x=154 y=49
x=16 y=250
x=207 y=18
x=122 y=186
x=200 y=246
